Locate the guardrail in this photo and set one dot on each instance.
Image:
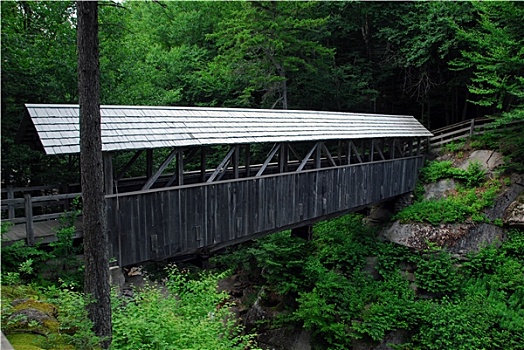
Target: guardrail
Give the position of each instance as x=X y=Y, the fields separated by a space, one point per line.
x=19 y=210
x=468 y=128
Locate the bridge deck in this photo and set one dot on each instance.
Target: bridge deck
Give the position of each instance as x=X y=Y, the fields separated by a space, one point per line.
x=45 y=232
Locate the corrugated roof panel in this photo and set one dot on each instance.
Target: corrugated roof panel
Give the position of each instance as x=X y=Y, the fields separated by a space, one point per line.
x=130 y=127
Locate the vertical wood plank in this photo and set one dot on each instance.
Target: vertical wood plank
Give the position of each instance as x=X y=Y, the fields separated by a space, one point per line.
x=180 y=166
x=10 y=207
x=248 y=160
x=236 y=155
x=108 y=173
x=149 y=163
x=29 y=220
x=203 y=154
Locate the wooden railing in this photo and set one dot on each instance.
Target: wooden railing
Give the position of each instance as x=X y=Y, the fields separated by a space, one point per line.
x=465 y=129
x=20 y=205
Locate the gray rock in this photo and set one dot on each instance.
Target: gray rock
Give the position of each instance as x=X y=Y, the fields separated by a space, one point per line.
x=504 y=200
x=477 y=238
x=116 y=277
x=392 y=338
x=514 y=214
x=371 y=268
x=457 y=238
x=257 y=315
x=440 y=189
x=489 y=160
x=285 y=339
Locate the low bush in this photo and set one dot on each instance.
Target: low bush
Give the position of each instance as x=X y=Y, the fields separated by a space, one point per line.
x=464 y=204
x=473 y=176
x=191 y=315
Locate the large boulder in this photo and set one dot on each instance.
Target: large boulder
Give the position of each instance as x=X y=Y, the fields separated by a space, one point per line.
x=457 y=238
x=33 y=316
x=490 y=160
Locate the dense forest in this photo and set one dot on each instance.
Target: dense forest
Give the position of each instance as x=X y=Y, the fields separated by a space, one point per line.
x=442 y=62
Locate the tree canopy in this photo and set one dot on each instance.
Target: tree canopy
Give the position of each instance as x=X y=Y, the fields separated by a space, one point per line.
x=442 y=62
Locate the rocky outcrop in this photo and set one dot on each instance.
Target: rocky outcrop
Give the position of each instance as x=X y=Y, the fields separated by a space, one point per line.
x=458 y=238
x=439 y=189
x=504 y=200
x=33 y=316
x=490 y=160
x=514 y=214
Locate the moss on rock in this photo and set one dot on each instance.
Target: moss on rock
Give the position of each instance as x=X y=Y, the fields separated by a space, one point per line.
x=47 y=308
x=26 y=341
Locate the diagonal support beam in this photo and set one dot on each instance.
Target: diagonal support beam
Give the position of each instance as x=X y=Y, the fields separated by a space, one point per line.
x=128 y=165
x=355 y=150
x=275 y=149
x=379 y=151
x=400 y=148
x=293 y=151
x=392 y=148
x=328 y=154
x=222 y=166
x=306 y=158
x=160 y=170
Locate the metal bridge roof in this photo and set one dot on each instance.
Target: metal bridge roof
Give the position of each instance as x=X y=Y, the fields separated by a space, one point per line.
x=142 y=127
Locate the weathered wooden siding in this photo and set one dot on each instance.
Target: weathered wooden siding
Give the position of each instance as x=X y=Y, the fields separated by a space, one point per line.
x=168 y=222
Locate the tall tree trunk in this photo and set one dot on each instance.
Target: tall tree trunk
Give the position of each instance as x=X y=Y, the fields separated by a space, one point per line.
x=96 y=276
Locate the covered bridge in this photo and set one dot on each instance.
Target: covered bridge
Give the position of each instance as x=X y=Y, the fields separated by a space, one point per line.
x=278 y=169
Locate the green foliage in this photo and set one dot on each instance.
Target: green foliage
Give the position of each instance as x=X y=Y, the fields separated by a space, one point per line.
x=58 y=261
x=390 y=256
x=436 y=273
x=394 y=306
x=75 y=325
x=475 y=304
x=74 y=328
x=453 y=146
x=192 y=315
x=473 y=176
x=464 y=204
x=494 y=52
x=514 y=247
x=340 y=244
x=19 y=259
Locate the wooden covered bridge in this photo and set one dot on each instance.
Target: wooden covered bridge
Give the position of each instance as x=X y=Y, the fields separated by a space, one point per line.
x=278 y=169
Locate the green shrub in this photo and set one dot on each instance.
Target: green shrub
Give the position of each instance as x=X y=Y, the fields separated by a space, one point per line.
x=192 y=315
x=343 y=243
x=435 y=170
x=437 y=273
x=454 y=146
x=514 y=246
x=75 y=326
x=466 y=203
x=473 y=176
x=390 y=256
x=483 y=262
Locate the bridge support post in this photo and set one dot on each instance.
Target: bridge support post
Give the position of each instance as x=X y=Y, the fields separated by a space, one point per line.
x=304 y=232
x=29 y=220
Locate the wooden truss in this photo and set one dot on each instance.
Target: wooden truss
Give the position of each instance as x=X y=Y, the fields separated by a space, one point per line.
x=283 y=157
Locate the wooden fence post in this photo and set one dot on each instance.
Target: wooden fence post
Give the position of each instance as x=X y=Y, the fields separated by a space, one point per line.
x=29 y=220
x=472 y=127
x=10 y=206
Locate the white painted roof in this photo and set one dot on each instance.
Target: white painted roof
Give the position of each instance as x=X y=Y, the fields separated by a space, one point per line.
x=142 y=127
